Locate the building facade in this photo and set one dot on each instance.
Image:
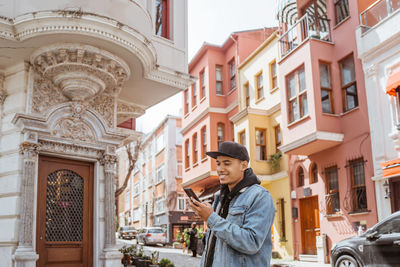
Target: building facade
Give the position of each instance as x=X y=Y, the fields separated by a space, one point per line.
x=154 y=196
x=257 y=126
x=325 y=125
x=378 y=41
x=209 y=103
x=70 y=73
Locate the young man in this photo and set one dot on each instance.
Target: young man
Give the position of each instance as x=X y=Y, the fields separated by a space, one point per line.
x=240 y=219
x=193 y=239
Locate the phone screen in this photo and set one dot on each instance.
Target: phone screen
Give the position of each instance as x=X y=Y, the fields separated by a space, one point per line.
x=191 y=194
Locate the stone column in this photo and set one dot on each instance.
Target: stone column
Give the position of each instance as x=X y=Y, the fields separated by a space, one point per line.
x=25 y=255
x=111 y=256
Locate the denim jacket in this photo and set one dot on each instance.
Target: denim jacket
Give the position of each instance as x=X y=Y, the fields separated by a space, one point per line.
x=244 y=237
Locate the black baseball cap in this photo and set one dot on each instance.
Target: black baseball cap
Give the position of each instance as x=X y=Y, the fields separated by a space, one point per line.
x=230 y=149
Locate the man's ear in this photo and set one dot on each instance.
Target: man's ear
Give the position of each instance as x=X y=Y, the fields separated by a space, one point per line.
x=244 y=164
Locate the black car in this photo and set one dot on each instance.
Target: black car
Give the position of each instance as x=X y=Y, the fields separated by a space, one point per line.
x=127 y=232
x=378 y=246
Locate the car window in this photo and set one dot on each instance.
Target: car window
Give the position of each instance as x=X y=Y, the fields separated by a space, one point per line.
x=155 y=231
x=389 y=227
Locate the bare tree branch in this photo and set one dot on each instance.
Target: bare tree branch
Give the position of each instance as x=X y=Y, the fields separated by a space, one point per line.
x=132 y=158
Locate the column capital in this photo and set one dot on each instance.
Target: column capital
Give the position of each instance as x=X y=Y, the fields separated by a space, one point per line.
x=29 y=150
x=3 y=92
x=108 y=161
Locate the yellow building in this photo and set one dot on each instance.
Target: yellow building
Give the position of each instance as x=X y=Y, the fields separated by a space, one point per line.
x=256 y=126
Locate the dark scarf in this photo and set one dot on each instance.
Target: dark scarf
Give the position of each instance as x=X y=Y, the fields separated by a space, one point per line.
x=226 y=197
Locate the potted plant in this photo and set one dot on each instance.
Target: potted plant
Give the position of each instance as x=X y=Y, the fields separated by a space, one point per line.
x=166 y=263
x=154 y=259
x=275 y=160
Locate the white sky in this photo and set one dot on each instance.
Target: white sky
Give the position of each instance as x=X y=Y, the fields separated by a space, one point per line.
x=211 y=21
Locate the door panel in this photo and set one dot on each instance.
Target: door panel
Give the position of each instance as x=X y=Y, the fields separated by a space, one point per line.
x=395 y=189
x=65 y=213
x=309 y=217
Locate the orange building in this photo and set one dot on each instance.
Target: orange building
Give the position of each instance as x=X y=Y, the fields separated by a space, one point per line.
x=210 y=103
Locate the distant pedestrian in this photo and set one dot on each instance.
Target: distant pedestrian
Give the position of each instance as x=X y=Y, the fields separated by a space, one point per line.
x=240 y=219
x=193 y=239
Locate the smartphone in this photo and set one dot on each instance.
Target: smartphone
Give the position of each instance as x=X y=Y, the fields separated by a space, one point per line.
x=191 y=194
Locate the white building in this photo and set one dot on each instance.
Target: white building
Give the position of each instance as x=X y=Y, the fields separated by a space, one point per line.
x=70 y=72
x=378 y=41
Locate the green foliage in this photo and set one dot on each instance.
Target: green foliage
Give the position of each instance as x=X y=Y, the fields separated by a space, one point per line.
x=154 y=257
x=275 y=160
x=166 y=263
x=128 y=250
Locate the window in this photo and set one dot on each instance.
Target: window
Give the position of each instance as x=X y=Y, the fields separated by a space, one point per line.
x=181 y=203
x=273 y=75
x=281 y=219
x=232 y=73
x=358 y=188
x=332 y=197
x=186 y=96
x=203 y=142
x=261 y=148
x=278 y=137
x=349 y=86
x=202 y=85
x=326 y=88
x=242 y=137
x=341 y=10
x=194 y=95
x=314 y=173
x=187 y=154
x=218 y=80
x=260 y=85
x=136 y=214
x=136 y=189
x=149 y=207
x=220 y=133
x=160 y=142
x=159 y=206
x=300 y=177
x=127 y=196
x=297 y=95
x=162 y=18
x=247 y=94
x=195 y=148
x=160 y=174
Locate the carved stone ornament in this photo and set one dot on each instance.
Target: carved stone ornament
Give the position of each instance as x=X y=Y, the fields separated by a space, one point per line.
x=126 y=111
x=104 y=105
x=45 y=95
x=75 y=129
x=76 y=150
x=80 y=71
x=3 y=92
x=29 y=150
x=108 y=161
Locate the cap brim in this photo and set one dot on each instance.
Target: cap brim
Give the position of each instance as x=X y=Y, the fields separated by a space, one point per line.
x=215 y=154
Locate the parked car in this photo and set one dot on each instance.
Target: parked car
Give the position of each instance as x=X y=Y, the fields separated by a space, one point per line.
x=127 y=232
x=152 y=236
x=378 y=246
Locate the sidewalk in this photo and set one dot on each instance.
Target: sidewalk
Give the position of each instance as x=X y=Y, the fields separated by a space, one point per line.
x=288 y=263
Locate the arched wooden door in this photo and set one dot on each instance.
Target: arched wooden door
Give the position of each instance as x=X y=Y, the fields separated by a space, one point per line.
x=65 y=213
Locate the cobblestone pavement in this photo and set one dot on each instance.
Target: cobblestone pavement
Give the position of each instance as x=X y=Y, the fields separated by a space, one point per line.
x=181 y=259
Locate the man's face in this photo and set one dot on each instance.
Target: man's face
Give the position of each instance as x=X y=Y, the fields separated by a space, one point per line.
x=230 y=170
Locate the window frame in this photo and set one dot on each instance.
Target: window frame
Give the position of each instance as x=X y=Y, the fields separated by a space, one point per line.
x=246 y=92
x=264 y=145
x=195 y=149
x=338 y=19
x=259 y=87
x=219 y=67
x=332 y=192
x=356 y=206
x=222 y=125
x=328 y=89
x=203 y=133
x=202 y=84
x=277 y=131
x=344 y=87
x=273 y=78
x=300 y=179
x=242 y=137
x=232 y=75
x=298 y=95
x=187 y=154
x=194 y=95
x=186 y=100
x=165 y=18
x=313 y=178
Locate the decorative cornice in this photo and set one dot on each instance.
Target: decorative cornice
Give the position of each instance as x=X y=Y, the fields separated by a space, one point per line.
x=273 y=177
x=126 y=110
x=80 y=71
x=255 y=111
x=3 y=92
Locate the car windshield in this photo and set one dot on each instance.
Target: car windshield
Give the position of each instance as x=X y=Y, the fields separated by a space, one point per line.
x=128 y=228
x=155 y=231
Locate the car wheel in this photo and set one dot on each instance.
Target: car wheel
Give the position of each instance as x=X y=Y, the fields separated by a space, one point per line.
x=346 y=261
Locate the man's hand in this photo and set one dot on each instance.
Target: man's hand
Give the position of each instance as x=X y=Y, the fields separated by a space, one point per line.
x=203 y=210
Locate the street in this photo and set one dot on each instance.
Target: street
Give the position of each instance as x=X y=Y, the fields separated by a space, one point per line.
x=181 y=259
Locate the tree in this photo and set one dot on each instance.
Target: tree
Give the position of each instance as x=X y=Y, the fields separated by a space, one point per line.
x=132 y=149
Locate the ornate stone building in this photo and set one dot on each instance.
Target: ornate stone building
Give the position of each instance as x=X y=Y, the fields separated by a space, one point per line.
x=70 y=73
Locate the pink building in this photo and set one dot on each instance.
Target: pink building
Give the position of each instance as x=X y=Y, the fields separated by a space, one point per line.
x=210 y=103
x=325 y=124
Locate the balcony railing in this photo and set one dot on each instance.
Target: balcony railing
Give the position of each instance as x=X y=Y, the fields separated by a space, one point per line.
x=377 y=12
x=305 y=28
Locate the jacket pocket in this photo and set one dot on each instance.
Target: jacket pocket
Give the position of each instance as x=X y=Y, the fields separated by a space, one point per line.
x=236 y=214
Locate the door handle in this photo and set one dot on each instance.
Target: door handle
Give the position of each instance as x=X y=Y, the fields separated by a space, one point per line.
x=397 y=242
x=41 y=238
